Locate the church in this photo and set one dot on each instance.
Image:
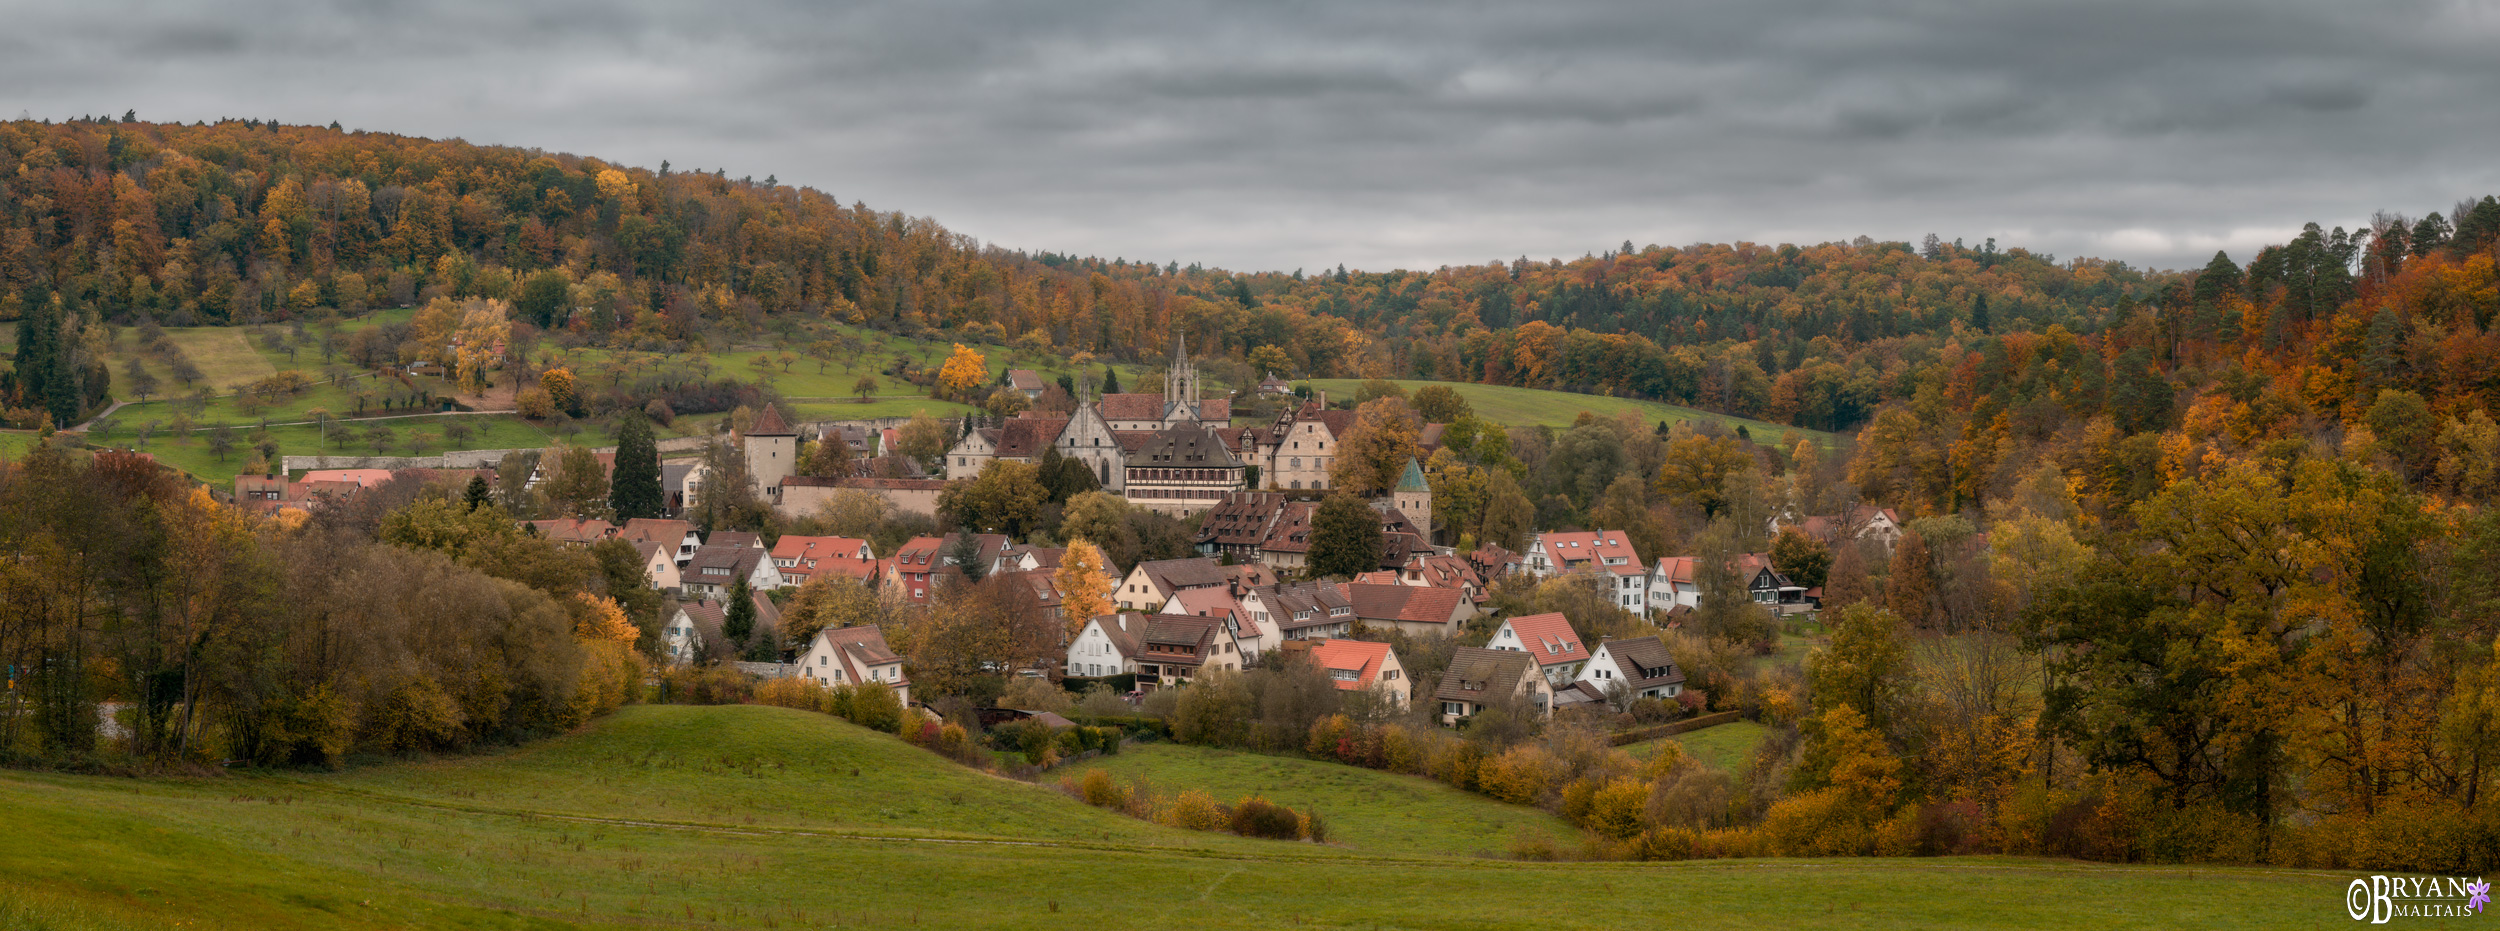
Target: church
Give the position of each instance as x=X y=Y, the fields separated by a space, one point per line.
x=1169 y=451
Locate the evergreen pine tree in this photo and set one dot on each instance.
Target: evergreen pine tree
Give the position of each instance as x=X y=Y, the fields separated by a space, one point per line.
x=1979 y=313
x=1111 y=379
x=477 y=495
x=634 y=488
x=738 y=616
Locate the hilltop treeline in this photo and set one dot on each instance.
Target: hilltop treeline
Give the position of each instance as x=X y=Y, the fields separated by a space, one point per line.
x=137 y=606
x=245 y=221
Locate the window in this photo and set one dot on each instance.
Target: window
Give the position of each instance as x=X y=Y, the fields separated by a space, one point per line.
x=1454 y=709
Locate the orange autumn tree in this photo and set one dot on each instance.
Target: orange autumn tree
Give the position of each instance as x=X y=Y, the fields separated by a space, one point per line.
x=1084 y=585
x=963 y=375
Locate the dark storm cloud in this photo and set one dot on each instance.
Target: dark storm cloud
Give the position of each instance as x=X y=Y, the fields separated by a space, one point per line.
x=1290 y=135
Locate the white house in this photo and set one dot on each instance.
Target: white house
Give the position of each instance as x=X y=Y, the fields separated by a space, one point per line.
x=1641 y=666
x=1220 y=604
x=715 y=568
x=693 y=625
x=1606 y=552
x=854 y=656
x=1671 y=584
x=1107 y=646
x=1550 y=639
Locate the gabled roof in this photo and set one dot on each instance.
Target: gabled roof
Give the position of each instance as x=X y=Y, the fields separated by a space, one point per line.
x=1131 y=406
x=811 y=555
x=1164 y=631
x=1493 y=561
x=1173 y=575
x=1185 y=445
x=920 y=554
x=1024 y=379
x=1674 y=569
x=1322 y=600
x=650 y=551
x=739 y=560
x=1045 y=588
x=1483 y=676
x=574 y=529
x=1644 y=662
x=706 y=616
x=1125 y=631
x=1029 y=437
x=670 y=532
x=735 y=538
x=1364 y=658
x=1403 y=603
x=1549 y=638
x=1217 y=603
x=769 y=422
x=1242 y=518
x=1291 y=533
x=861 y=648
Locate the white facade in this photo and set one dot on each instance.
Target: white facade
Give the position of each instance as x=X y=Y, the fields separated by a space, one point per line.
x=1604 y=671
x=1095 y=652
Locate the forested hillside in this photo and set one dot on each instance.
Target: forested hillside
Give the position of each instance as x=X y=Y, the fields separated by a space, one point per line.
x=245 y=221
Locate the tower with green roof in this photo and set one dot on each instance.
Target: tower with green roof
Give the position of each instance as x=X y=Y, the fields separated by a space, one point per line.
x=1413 y=497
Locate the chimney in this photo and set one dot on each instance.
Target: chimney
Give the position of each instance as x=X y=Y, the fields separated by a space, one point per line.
x=1320 y=396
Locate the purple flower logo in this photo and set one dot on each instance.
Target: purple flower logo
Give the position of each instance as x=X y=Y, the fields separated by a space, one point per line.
x=2478 y=894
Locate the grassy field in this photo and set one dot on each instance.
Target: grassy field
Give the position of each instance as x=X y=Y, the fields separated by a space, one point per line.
x=193 y=453
x=746 y=817
x=1365 y=809
x=1521 y=407
x=1726 y=748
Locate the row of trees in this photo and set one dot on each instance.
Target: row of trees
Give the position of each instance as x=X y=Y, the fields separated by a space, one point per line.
x=409 y=619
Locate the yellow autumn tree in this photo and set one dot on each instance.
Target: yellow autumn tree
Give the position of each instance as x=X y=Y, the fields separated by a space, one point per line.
x=485 y=326
x=610 y=667
x=964 y=373
x=1084 y=588
x=614 y=184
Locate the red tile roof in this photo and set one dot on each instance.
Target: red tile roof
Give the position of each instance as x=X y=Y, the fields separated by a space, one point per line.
x=770 y=423
x=1365 y=658
x=1548 y=637
x=1405 y=603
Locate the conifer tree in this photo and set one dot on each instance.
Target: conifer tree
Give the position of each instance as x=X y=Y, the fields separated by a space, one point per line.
x=634 y=489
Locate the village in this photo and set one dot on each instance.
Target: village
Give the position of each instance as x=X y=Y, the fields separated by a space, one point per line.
x=1249 y=593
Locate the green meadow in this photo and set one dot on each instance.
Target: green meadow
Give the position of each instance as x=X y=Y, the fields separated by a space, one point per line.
x=1523 y=407
x=754 y=817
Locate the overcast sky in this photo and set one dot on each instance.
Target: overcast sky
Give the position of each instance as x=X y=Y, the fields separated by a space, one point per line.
x=1392 y=134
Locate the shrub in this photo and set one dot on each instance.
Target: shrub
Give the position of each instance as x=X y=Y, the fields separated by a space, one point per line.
x=1254 y=816
x=1193 y=811
x=1530 y=844
x=1616 y=809
x=1098 y=789
x=1313 y=828
x=1519 y=775
x=795 y=692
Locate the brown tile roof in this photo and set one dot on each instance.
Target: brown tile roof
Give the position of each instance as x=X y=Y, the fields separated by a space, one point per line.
x=1124 y=630
x=740 y=562
x=1173 y=575
x=1028 y=437
x=574 y=529
x=1165 y=631
x=769 y=422
x=1240 y=519
x=1131 y=406
x=1404 y=603
x=1132 y=440
x=1291 y=533
x=1645 y=662
x=1187 y=445
x=671 y=533
x=1482 y=676
x=1326 y=602
x=1216 y=410
x=735 y=538
x=1024 y=379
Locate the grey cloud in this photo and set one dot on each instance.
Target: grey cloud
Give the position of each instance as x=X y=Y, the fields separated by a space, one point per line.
x=1392 y=133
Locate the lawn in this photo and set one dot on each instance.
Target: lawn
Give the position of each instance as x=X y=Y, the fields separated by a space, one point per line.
x=1365 y=809
x=1727 y=748
x=492 y=431
x=641 y=821
x=1520 y=407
